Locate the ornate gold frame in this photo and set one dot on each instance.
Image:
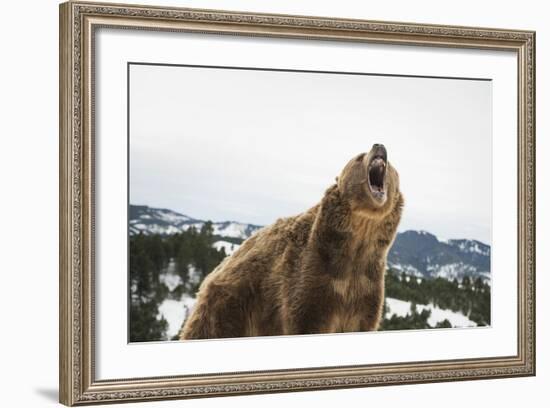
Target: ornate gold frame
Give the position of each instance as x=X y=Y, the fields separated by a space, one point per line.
x=78 y=20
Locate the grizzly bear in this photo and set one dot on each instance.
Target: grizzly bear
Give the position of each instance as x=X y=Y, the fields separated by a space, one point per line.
x=321 y=271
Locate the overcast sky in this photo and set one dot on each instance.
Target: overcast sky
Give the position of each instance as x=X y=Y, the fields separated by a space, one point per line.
x=253 y=146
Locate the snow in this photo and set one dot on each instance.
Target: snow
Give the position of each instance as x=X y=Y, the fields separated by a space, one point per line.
x=229 y=247
x=171 y=230
x=456 y=319
x=402 y=308
x=471 y=246
x=171 y=280
x=193 y=274
x=233 y=230
x=168 y=222
x=156 y=228
x=455 y=270
x=486 y=276
x=397 y=307
x=408 y=269
x=196 y=225
x=175 y=312
x=477 y=249
x=170 y=216
x=170 y=277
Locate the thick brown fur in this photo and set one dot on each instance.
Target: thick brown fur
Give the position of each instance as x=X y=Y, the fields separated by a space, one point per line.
x=318 y=272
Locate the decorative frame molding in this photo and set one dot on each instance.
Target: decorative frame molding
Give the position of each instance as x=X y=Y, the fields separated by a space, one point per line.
x=78 y=20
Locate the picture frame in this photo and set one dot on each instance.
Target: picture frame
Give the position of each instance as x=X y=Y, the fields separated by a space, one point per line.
x=79 y=185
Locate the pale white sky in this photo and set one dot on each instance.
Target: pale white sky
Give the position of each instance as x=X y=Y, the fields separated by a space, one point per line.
x=253 y=146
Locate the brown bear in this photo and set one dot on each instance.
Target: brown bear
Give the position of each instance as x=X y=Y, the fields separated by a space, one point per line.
x=321 y=271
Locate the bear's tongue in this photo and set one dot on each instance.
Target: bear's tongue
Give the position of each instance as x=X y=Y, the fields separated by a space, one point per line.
x=376 y=174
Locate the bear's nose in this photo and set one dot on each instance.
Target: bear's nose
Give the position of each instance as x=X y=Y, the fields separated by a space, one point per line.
x=378 y=150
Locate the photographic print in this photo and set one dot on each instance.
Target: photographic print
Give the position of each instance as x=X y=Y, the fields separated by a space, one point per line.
x=253 y=203
x=267 y=202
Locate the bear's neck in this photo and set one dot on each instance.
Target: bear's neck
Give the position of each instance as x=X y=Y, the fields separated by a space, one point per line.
x=350 y=240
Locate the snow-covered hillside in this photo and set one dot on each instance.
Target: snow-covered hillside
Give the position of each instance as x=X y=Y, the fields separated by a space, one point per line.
x=420 y=253
x=149 y=220
x=401 y=308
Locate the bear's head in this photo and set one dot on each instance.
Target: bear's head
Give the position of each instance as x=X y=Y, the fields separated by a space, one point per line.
x=370 y=183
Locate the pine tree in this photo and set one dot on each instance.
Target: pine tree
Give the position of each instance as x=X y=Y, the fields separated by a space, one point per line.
x=145 y=290
x=443 y=324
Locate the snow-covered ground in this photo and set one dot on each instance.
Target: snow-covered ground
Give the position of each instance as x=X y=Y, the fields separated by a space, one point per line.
x=175 y=312
x=171 y=279
x=227 y=246
x=401 y=308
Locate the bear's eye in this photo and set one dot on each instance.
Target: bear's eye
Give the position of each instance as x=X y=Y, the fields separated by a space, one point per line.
x=360 y=157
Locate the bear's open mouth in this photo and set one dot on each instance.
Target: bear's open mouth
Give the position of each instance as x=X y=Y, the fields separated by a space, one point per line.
x=377 y=176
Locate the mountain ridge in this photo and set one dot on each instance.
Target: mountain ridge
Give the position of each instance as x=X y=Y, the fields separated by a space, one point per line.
x=163 y=221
